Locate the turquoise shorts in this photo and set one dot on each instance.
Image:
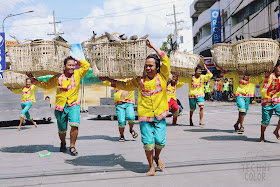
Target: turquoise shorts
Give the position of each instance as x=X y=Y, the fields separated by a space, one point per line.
x=243 y=104
x=25 y=107
x=153 y=134
x=125 y=111
x=71 y=114
x=267 y=113
x=196 y=101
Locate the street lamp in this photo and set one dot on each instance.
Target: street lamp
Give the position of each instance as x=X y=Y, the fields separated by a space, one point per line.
x=11 y=15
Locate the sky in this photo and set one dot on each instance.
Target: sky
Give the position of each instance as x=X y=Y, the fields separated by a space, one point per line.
x=80 y=18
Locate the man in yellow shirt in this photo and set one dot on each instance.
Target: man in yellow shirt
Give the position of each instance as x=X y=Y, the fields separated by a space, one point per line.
x=152 y=104
x=67 y=106
x=172 y=86
x=124 y=102
x=27 y=99
x=196 y=91
x=270 y=92
x=243 y=90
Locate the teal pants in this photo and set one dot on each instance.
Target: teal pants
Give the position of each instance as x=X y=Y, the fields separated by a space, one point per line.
x=153 y=134
x=267 y=112
x=125 y=111
x=196 y=101
x=25 y=107
x=243 y=104
x=71 y=114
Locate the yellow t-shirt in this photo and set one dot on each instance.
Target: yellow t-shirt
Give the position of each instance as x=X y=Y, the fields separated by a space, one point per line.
x=171 y=90
x=67 y=88
x=241 y=85
x=130 y=98
x=28 y=94
x=269 y=88
x=152 y=97
x=196 y=85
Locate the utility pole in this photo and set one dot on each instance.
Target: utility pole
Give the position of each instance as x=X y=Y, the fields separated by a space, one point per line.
x=54 y=26
x=175 y=22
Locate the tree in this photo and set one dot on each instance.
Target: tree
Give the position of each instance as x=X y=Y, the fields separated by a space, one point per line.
x=165 y=47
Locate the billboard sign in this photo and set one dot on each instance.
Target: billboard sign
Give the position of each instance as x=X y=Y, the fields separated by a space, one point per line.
x=216 y=26
x=2 y=54
x=209 y=62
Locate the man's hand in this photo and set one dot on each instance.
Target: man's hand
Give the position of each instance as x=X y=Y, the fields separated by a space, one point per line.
x=29 y=75
x=124 y=94
x=103 y=79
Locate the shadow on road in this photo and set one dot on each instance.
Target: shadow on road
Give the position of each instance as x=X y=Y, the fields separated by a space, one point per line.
x=100 y=137
x=109 y=160
x=232 y=138
x=30 y=149
x=209 y=130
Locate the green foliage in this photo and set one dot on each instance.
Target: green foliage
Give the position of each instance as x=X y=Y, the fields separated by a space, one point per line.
x=164 y=46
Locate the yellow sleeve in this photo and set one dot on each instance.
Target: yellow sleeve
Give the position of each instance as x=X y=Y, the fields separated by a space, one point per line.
x=207 y=77
x=180 y=84
x=33 y=87
x=83 y=69
x=165 y=67
x=186 y=79
x=107 y=83
x=130 y=85
x=231 y=75
x=257 y=79
x=52 y=82
x=16 y=91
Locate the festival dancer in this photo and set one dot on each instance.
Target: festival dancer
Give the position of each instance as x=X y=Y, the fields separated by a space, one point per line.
x=124 y=102
x=152 y=104
x=242 y=90
x=270 y=92
x=172 y=86
x=67 y=103
x=27 y=99
x=196 y=91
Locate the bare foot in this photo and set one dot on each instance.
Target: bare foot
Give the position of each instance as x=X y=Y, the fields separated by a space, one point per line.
x=262 y=139
x=276 y=134
x=35 y=124
x=151 y=172
x=191 y=123
x=18 y=128
x=159 y=163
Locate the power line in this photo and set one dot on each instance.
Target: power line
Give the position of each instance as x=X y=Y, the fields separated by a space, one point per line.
x=113 y=13
x=220 y=26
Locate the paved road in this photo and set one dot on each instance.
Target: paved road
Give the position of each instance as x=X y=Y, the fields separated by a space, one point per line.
x=194 y=156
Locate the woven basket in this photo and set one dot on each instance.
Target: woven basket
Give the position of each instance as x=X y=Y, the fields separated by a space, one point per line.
x=223 y=56
x=251 y=56
x=39 y=57
x=256 y=55
x=124 y=59
x=184 y=64
x=14 y=80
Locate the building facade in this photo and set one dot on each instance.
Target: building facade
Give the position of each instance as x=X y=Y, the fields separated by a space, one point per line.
x=241 y=19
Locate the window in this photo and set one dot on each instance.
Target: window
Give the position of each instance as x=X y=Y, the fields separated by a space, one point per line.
x=181 y=39
x=249 y=10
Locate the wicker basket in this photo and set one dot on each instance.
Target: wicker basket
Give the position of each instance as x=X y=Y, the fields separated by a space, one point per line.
x=223 y=56
x=184 y=64
x=14 y=80
x=251 y=56
x=39 y=57
x=124 y=59
x=256 y=55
